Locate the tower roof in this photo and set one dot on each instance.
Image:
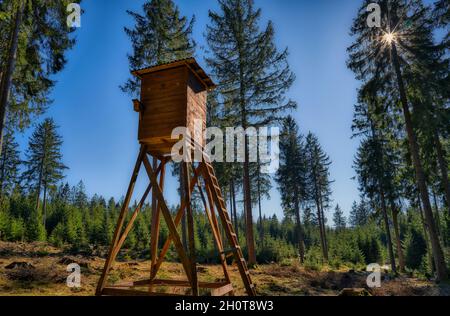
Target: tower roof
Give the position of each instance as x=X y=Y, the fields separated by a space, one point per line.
x=190 y=63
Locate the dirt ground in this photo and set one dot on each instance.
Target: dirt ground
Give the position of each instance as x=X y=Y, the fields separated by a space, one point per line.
x=38 y=269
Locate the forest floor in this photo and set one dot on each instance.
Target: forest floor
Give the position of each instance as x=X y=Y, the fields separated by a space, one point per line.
x=37 y=269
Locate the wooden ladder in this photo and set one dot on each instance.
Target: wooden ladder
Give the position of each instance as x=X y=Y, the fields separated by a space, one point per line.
x=216 y=192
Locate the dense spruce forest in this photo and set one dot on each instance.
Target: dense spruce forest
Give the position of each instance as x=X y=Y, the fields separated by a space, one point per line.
x=401 y=118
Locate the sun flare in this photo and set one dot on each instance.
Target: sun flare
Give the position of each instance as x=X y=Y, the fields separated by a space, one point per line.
x=389 y=37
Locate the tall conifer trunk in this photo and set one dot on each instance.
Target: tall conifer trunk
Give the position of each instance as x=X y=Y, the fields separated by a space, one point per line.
x=401 y=258
x=388 y=231
x=248 y=209
x=438 y=255
x=322 y=233
x=300 y=241
x=324 y=228
x=426 y=236
x=443 y=169
x=233 y=195
x=5 y=85
x=44 y=206
x=261 y=230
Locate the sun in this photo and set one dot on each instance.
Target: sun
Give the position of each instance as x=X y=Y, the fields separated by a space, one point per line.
x=389 y=37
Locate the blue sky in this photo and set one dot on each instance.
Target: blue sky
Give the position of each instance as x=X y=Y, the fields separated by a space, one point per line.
x=99 y=126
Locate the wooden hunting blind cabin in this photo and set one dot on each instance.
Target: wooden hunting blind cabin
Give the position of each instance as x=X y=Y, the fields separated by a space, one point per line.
x=174 y=95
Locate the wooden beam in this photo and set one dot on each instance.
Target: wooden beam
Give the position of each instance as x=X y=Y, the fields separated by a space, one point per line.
x=178 y=218
x=190 y=228
x=154 y=229
x=111 y=291
x=232 y=237
x=129 y=226
x=177 y=283
x=168 y=218
x=120 y=221
x=221 y=291
x=216 y=234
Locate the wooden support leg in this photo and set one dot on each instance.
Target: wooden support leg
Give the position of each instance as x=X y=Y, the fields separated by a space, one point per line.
x=155 y=216
x=120 y=221
x=155 y=226
x=215 y=229
x=168 y=218
x=177 y=221
x=190 y=228
x=133 y=218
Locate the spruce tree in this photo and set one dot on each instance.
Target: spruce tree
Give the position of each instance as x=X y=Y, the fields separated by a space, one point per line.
x=253 y=77
x=291 y=177
x=78 y=195
x=359 y=214
x=160 y=35
x=318 y=184
x=441 y=16
x=377 y=161
x=44 y=167
x=35 y=37
x=339 y=218
x=260 y=189
x=9 y=163
x=386 y=57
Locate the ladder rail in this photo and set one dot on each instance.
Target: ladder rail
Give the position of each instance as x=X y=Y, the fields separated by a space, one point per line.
x=216 y=192
x=211 y=180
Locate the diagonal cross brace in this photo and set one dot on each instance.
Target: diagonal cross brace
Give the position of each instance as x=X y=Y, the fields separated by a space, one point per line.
x=177 y=221
x=168 y=218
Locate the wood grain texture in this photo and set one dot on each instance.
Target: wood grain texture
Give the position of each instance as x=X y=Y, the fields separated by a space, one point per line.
x=170 y=98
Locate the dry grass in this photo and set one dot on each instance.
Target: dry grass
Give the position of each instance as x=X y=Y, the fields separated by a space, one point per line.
x=42 y=271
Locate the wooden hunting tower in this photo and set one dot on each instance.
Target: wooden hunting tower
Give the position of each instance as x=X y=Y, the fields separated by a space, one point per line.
x=174 y=95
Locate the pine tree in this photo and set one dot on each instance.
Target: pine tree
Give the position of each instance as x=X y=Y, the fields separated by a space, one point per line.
x=291 y=177
x=44 y=167
x=37 y=38
x=318 y=184
x=160 y=35
x=339 y=219
x=9 y=163
x=252 y=75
